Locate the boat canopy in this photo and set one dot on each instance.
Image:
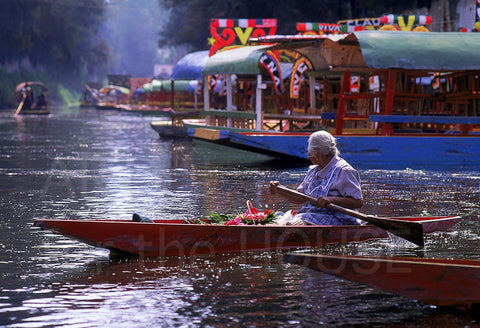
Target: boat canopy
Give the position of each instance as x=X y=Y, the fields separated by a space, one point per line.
x=363 y=50
x=180 y=85
x=367 y=50
x=421 y=50
x=241 y=60
x=190 y=66
x=370 y=50
x=32 y=83
x=166 y=85
x=118 y=89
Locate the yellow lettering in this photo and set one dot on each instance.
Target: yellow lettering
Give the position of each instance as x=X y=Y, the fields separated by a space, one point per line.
x=243 y=36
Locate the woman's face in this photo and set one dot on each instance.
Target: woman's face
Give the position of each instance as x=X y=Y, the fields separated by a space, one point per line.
x=313 y=155
x=318 y=158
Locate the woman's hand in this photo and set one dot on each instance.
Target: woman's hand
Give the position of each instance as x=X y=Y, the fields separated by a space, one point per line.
x=347 y=202
x=273 y=187
x=323 y=201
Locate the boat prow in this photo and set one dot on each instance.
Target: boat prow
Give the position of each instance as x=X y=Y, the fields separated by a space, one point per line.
x=439 y=282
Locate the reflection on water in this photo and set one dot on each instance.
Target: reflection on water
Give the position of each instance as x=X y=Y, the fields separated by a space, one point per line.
x=102 y=164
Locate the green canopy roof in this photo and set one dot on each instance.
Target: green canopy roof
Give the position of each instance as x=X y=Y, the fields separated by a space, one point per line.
x=180 y=85
x=420 y=50
x=242 y=60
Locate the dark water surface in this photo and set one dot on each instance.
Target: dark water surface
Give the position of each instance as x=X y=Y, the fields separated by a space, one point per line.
x=90 y=164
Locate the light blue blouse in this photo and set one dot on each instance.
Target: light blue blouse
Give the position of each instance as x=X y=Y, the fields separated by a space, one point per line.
x=337 y=178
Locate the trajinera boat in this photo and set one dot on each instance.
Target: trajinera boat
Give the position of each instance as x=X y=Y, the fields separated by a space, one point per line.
x=391 y=99
x=32 y=98
x=179 y=237
x=440 y=282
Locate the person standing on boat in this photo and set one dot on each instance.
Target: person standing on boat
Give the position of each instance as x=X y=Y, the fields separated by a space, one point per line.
x=329 y=180
x=27 y=95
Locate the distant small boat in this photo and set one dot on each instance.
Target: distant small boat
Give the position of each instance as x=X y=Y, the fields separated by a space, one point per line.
x=32 y=98
x=90 y=95
x=440 y=282
x=176 y=237
x=112 y=97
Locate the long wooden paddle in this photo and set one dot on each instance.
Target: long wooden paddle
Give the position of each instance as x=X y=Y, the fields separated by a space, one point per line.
x=20 y=107
x=409 y=230
x=91 y=92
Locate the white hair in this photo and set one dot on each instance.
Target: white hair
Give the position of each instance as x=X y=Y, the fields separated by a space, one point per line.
x=322 y=142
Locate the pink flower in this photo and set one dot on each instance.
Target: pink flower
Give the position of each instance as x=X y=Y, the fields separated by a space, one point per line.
x=236 y=221
x=252 y=217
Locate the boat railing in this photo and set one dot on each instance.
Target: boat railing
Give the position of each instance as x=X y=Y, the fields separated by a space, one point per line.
x=277 y=122
x=284 y=122
x=232 y=119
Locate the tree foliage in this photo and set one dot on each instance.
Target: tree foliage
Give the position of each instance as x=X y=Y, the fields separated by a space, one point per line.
x=57 y=41
x=59 y=35
x=189 y=19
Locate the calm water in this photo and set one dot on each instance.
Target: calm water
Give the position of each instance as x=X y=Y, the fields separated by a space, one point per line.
x=89 y=164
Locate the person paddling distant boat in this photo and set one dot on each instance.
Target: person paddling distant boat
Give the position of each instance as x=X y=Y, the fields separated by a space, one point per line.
x=329 y=180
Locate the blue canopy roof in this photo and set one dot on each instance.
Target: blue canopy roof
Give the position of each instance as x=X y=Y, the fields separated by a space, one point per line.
x=190 y=66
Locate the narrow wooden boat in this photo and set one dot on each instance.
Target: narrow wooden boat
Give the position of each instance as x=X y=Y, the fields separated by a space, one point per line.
x=32 y=97
x=175 y=237
x=440 y=282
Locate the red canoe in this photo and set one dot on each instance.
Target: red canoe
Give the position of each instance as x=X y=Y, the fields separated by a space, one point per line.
x=440 y=282
x=174 y=237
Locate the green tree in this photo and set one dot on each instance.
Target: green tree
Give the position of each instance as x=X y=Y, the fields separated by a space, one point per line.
x=57 y=37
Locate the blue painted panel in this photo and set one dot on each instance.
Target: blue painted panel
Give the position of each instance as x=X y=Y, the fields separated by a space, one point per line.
x=416 y=152
x=425 y=119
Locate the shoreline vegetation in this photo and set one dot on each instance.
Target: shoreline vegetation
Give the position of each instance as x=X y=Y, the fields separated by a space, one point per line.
x=62 y=94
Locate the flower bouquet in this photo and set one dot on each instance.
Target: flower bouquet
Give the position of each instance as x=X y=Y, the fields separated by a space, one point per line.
x=251 y=217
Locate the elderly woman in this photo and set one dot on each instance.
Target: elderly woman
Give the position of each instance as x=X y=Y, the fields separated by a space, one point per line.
x=329 y=180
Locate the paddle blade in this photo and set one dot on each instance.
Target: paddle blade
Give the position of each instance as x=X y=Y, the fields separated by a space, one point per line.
x=408 y=230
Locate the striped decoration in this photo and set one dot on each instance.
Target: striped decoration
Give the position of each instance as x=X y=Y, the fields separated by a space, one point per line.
x=316 y=27
x=414 y=19
x=242 y=23
x=360 y=24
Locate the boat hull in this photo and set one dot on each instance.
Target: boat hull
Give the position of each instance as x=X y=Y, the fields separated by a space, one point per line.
x=148 y=111
x=173 y=237
x=440 y=282
x=34 y=112
x=372 y=151
x=168 y=130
